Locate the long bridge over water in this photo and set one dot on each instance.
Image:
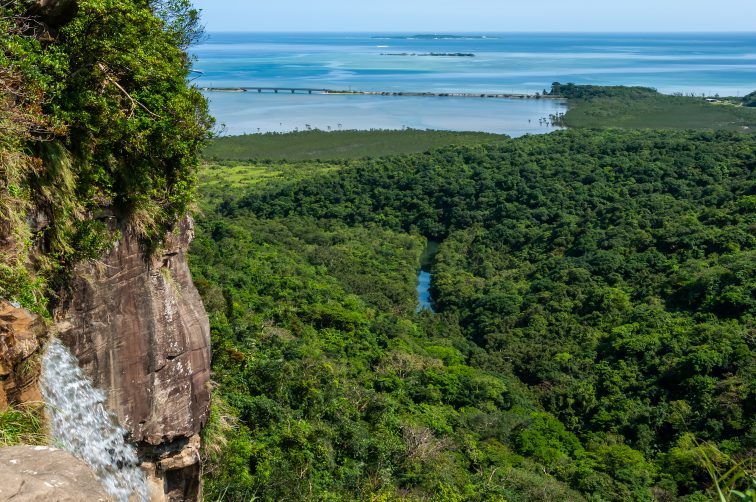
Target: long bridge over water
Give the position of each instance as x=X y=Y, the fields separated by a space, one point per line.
x=292 y=90
x=312 y=90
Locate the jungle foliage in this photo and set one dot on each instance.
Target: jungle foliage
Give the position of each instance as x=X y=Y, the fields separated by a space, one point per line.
x=750 y=99
x=337 y=145
x=95 y=114
x=594 y=335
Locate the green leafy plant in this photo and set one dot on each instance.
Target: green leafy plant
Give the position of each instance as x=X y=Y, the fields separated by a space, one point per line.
x=736 y=483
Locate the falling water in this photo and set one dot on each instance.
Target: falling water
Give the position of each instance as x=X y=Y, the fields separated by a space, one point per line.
x=82 y=426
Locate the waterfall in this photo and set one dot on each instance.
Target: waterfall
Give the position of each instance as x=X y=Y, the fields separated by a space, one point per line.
x=80 y=424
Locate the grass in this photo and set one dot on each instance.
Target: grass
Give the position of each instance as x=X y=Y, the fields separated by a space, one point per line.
x=219 y=179
x=23 y=424
x=659 y=112
x=243 y=175
x=337 y=145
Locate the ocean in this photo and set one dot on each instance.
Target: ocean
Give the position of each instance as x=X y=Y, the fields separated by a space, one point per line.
x=685 y=63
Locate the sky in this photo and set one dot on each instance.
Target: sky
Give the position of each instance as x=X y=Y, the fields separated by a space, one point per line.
x=478 y=15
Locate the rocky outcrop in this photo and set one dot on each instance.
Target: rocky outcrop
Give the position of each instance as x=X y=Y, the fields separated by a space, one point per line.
x=22 y=335
x=39 y=473
x=173 y=470
x=140 y=332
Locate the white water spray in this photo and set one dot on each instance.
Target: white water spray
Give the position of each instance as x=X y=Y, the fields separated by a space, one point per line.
x=82 y=426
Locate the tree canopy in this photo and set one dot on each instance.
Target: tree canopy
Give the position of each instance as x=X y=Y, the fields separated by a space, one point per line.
x=592 y=341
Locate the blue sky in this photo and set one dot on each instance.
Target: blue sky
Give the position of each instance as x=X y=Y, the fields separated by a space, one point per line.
x=478 y=15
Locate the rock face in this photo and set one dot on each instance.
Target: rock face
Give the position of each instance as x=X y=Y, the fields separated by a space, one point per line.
x=22 y=335
x=140 y=332
x=39 y=473
x=173 y=471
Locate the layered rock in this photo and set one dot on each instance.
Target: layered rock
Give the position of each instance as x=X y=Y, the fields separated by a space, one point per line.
x=22 y=335
x=39 y=473
x=139 y=329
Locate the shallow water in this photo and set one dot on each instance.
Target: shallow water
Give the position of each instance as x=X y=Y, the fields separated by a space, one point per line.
x=424 y=300
x=246 y=113
x=521 y=62
x=503 y=63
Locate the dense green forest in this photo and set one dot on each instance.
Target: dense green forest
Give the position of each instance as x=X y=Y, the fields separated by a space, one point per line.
x=593 y=106
x=750 y=100
x=593 y=337
x=337 y=145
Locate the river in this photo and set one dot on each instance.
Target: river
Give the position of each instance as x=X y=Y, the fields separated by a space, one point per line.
x=423 y=291
x=424 y=276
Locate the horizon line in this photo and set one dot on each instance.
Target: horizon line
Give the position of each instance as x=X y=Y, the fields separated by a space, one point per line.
x=465 y=32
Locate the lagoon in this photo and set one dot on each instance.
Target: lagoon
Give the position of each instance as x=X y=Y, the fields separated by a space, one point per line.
x=250 y=112
x=707 y=63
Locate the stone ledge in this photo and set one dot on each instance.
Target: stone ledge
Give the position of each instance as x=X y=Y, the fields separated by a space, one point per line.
x=44 y=474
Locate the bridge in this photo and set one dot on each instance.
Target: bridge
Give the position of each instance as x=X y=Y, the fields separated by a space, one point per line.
x=292 y=90
x=310 y=90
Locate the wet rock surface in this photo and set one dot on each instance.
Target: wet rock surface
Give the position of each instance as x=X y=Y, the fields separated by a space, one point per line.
x=39 y=473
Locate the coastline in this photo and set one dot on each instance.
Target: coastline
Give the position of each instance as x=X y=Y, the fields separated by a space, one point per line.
x=306 y=90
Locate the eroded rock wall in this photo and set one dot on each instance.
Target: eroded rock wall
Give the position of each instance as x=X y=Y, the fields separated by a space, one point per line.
x=22 y=336
x=140 y=332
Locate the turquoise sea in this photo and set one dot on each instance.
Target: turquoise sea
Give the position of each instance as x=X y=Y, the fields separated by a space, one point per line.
x=708 y=64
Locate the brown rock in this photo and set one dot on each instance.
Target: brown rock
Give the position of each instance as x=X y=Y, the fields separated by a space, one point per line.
x=39 y=473
x=140 y=332
x=22 y=335
x=174 y=469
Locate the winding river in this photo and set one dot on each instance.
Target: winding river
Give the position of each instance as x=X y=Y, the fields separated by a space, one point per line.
x=424 y=300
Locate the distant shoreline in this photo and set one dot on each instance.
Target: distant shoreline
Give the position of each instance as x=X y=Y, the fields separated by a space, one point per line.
x=306 y=90
x=431 y=54
x=435 y=37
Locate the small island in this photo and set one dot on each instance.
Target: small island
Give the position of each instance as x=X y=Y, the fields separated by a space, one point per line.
x=434 y=54
x=434 y=37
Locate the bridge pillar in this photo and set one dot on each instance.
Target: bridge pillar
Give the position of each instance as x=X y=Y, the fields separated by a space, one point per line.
x=292 y=91
x=259 y=90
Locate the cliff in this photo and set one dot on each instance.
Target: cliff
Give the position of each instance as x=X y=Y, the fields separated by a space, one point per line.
x=97 y=128
x=22 y=335
x=139 y=329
